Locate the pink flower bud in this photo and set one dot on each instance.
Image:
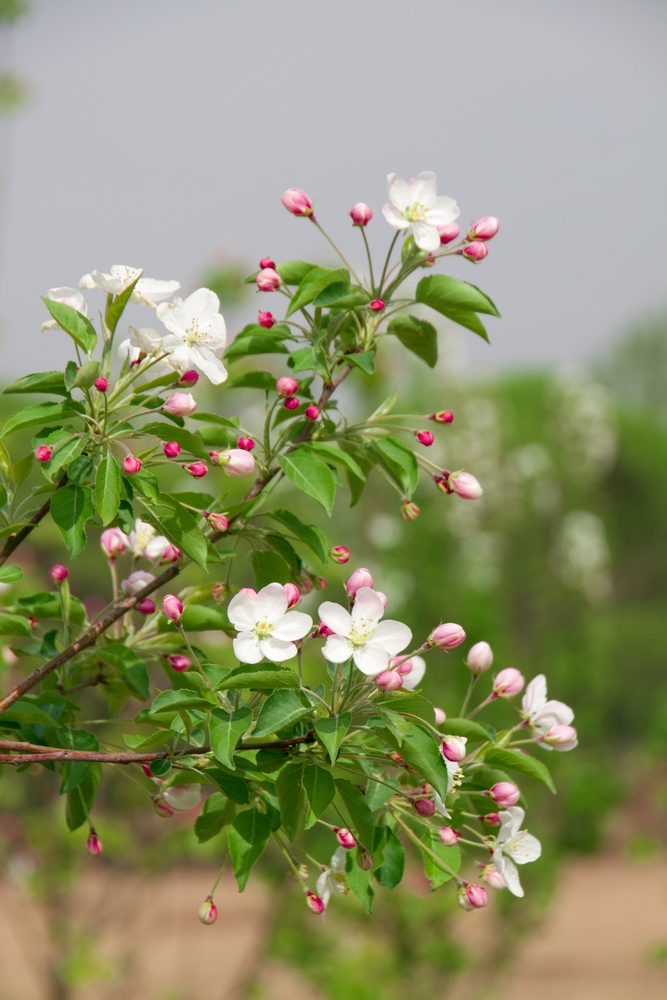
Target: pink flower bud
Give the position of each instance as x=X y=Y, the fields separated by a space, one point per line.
x=146 y=768
x=34 y=622
x=396 y=757
x=340 y=554
x=320 y=583
x=217 y=521
x=94 y=845
x=491 y=819
x=447 y=836
x=311 y=413
x=179 y=662
x=189 y=378
x=172 y=607
x=249 y=591
x=291 y=404
x=286 y=386
x=377 y=305
x=236 y=462
x=504 y=794
x=316 y=904
x=214 y=456
x=146 y=607
x=267 y=262
x=409 y=510
x=297 y=202
x=197 y=470
x=389 y=680
x=161 y=808
x=360 y=578
x=208 y=911
x=446 y=636
x=383 y=597
x=113 y=542
x=293 y=595
x=323 y=630
x=440 y=715
x=561 y=737
x=219 y=591
x=43 y=453
x=180 y=404
x=465 y=485
x=58 y=573
x=101 y=384
x=428 y=261
x=171 y=554
x=136 y=581
x=453 y=748
x=480 y=658
x=267 y=280
x=508 y=683
x=345 y=838
x=424 y=807
x=475 y=252
x=132 y=465
x=172 y=449
x=492 y=877
x=401 y=666
x=361 y=214
x=448 y=233
x=266 y=319
x=444 y=417
x=246 y=444
x=484 y=228
x=425 y=437
x=472 y=897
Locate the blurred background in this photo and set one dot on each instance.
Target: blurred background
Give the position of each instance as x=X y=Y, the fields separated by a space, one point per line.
x=161 y=135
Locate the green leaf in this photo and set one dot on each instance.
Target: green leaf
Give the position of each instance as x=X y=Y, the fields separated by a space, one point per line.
x=360 y=815
x=394 y=722
x=42 y=414
x=169 y=432
x=253 y=380
x=200 y=618
x=332 y=454
x=47 y=605
x=408 y=703
x=160 y=767
x=449 y=859
x=86 y=375
x=393 y=862
x=514 y=760
x=172 y=700
x=400 y=462
x=65 y=451
x=310 y=475
x=74 y=773
x=455 y=299
x=71 y=507
x=420 y=751
x=10 y=574
x=311 y=535
x=260 y=677
x=386 y=407
x=281 y=709
x=146 y=743
x=268 y=567
x=39 y=382
x=79 y=327
x=331 y=732
x=310 y=359
x=365 y=360
x=320 y=791
x=217 y=813
x=15 y=625
x=359 y=880
x=287 y=552
x=243 y=346
x=418 y=336
x=231 y=785
x=314 y=282
x=291 y=795
x=293 y=271
x=107 y=489
x=466 y=727
x=226 y=731
x=247 y=837
x=80 y=801
x=379 y=792
x=131 y=666
x=116 y=308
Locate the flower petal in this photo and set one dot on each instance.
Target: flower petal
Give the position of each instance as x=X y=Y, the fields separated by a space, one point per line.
x=508 y=871
x=208 y=364
x=246 y=648
x=371 y=659
x=336 y=617
x=271 y=603
x=440 y=806
x=523 y=848
x=367 y=605
x=535 y=696
x=322 y=887
x=397 y=189
x=511 y=821
x=553 y=713
x=426 y=236
x=337 y=649
x=174 y=317
x=423 y=188
x=242 y=612
x=443 y=211
x=394 y=217
x=277 y=650
x=202 y=304
x=293 y=625
x=413 y=679
x=392 y=636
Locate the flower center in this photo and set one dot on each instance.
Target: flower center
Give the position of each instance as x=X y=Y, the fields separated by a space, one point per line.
x=361 y=632
x=416 y=212
x=193 y=334
x=263 y=628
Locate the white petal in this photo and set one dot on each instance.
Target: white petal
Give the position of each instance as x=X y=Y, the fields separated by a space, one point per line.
x=271 y=603
x=394 y=217
x=322 y=887
x=156 y=547
x=293 y=625
x=440 y=806
x=208 y=364
x=397 y=190
x=371 y=659
x=147 y=338
x=277 y=650
x=246 y=648
x=413 y=679
x=452 y=768
x=242 y=612
x=174 y=317
x=443 y=211
x=339 y=860
x=50 y=325
x=523 y=848
x=553 y=713
x=336 y=617
x=87 y=282
x=535 y=695
x=508 y=871
x=511 y=821
x=426 y=236
x=423 y=188
x=152 y=290
x=337 y=649
x=202 y=304
x=392 y=636
x=367 y=605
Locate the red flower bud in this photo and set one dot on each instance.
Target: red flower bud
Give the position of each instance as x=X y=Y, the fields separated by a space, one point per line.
x=179 y=662
x=197 y=470
x=377 y=305
x=266 y=319
x=267 y=262
x=172 y=449
x=132 y=465
x=58 y=573
x=340 y=554
x=312 y=413
x=43 y=453
x=101 y=384
x=146 y=607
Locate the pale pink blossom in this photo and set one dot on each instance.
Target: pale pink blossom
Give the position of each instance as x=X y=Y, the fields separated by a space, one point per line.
x=465 y=485
x=361 y=214
x=180 y=404
x=265 y=627
x=484 y=228
x=446 y=636
x=472 y=897
x=508 y=683
x=416 y=206
x=560 y=738
x=361 y=635
x=135 y=582
x=113 y=542
x=236 y=462
x=172 y=607
x=297 y=202
x=360 y=578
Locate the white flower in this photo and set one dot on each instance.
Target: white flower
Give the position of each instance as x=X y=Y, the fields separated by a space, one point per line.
x=264 y=628
x=361 y=635
x=147 y=291
x=68 y=297
x=332 y=878
x=454 y=777
x=540 y=713
x=145 y=541
x=414 y=678
x=197 y=334
x=513 y=844
x=136 y=581
x=416 y=206
x=145 y=340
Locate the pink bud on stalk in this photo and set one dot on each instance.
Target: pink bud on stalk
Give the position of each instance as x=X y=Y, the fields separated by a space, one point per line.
x=217 y=521
x=245 y=443
x=219 y=591
x=58 y=573
x=561 y=738
x=465 y=485
x=409 y=510
x=208 y=911
x=171 y=554
x=197 y=470
x=383 y=597
x=161 y=808
x=440 y=715
x=361 y=214
x=323 y=630
x=508 y=683
x=297 y=202
x=492 y=877
x=291 y=404
x=360 y=578
x=146 y=607
x=447 y=836
x=101 y=384
x=345 y=838
x=236 y=462
x=446 y=636
x=444 y=417
x=43 y=453
x=179 y=662
x=475 y=252
x=504 y=794
x=113 y=542
x=448 y=233
x=293 y=595
x=389 y=680
x=180 y=404
x=491 y=819
x=480 y=658
x=472 y=897
x=425 y=437
x=340 y=554
x=136 y=581
x=266 y=319
x=424 y=807
x=316 y=904
x=172 y=449
x=311 y=412
x=267 y=280
x=484 y=228
x=189 y=378
x=286 y=386
x=94 y=845
x=132 y=465
x=172 y=607
x=248 y=590
x=377 y=305
x=267 y=262
x=453 y=748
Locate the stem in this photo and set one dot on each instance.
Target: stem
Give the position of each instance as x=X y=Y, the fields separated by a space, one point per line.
x=422 y=847
x=368 y=254
x=466 y=700
x=388 y=258
x=329 y=240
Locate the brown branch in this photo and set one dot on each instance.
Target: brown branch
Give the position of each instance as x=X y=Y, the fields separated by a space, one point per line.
x=14 y=541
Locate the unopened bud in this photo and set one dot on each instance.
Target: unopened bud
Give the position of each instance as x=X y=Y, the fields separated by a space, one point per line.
x=465 y=485
x=424 y=807
x=360 y=578
x=480 y=658
x=172 y=449
x=266 y=319
x=361 y=214
x=161 y=808
x=293 y=595
x=101 y=384
x=314 y=902
x=267 y=262
x=453 y=748
x=267 y=280
x=197 y=470
x=409 y=510
x=189 y=378
x=365 y=861
x=182 y=798
x=286 y=386
x=484 y=228
x=323 y=630
x=508 y=683
x=172 y=607
x=472 y=897
x=389 y=680
x=345 y=838
x=492 y=877
x=297 y=202
x=236 y=462
x=43 y=453
x=180 y=404
x=440 y=715
x=132 y=465
x=340 y=554
x=245 y=444
x=94 y=845
x=311 y=412
x=217 y=521
x=171 y=554
x=475 y=252
x=446 y=636
x=491 y=819
x=443 y=417
x=219 y=591
x=58 y=573
x=179 y=662
x=292 y=403
x=146 y=607
x=425 y=437
x=448 y=233
x=208 y=911
x=561 y=738
x=448 y=836
x=113 y=542
x=504 y=794
x=396 y=757
x=377 y=305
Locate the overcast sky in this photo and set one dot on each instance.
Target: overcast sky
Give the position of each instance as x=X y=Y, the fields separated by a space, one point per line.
x=161 y=134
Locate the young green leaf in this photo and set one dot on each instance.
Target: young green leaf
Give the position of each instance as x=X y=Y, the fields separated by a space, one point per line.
x=241 y=346
x=359 y=880
x=260 y=677
x=79 y=327
x=15 y=625
x=332 y=454
x=314 y=282
x=289 y=789
x=293 y=271
x=230 y=785
x=71 y=507
x=448 y=859
x=187 y=440
x=217 y=813
x=281 y=709
x=80 y=801
x=41 y=414
x=311 y=535
x=269 y=567
x=360 y=815
x=455 y=299
x=130 y=665
x=390 y=872
x=418 y=336
x=331 y=732
x=320 y=790
x=41 y=382
x=473 y=731
x=400 y=462
x=247 y=837
x=226 y=731
x=253 y=380
x=421 y=751
x=364 y=360
x=514 y=760
x=310 y=475
x=10 y=574
x=107 y=489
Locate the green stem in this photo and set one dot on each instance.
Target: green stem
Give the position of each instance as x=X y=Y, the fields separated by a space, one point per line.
x=329 y=240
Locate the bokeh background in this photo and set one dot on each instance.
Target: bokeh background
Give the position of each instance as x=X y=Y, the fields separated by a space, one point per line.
x=161 y=135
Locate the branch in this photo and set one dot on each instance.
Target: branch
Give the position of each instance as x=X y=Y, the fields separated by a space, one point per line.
x=14 y=541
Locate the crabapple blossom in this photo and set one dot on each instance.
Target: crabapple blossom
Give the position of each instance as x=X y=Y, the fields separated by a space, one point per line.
x=504 y=794
x=416 y=206
x=447 y=836
x=58 y=573
x=480 y=658
x=465 y=485
x=345 y=838
x=144 y=342
x=162 y=809
x=340 y=554
x=484 y=228
x=172 y=449
x=332 y=878
x=114 y=541
x=389 y=680
x=541 y=714
x=453 y=748
x=444 y=417
x=491 y=819
x=197 y=470
x=411 y=671
x=94 y=845
x=217 y=521
x=266 y=629
x=136 y=581
x=314 y=902
x=101 y=384
x=508 y=683
x=43 y=453
x=286 y=386
x=145 y=541
x=361 y=635
x=361 y=214
x=360 y=578
x=236 y=462
x=560 y=738
x=323 y=630
x=180 y=404
x=132 y=465
x=266 y=319
x=146 y=607
x=512 y=844
x=182 y=798
x=440 y=715
x=171 y=553
x=492 y=877
x=311 y=412
x=147 y=291
x=179 y=662
x=197 y=334
x=189 y=378
x=267 y=280
x=472 y=897
x=448 y=233
x=475 y=252
x=297 y=202
x=172 y=607
x=446 y=636
x=293 y=595
x=208 y=912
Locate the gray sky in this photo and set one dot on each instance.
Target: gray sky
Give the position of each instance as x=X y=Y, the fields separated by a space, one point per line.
x=162 y=134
